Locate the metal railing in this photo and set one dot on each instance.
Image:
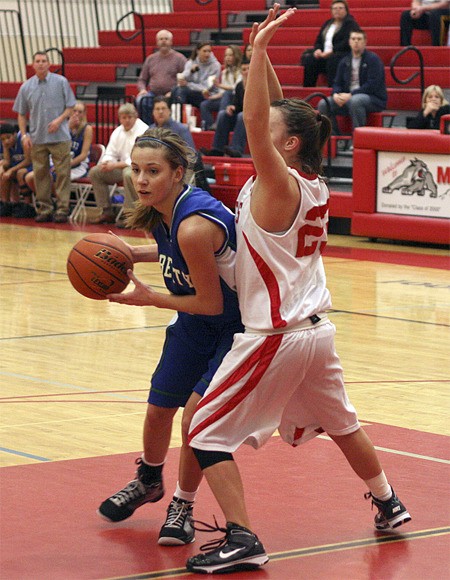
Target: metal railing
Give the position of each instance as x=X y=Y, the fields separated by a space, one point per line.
x=139 y=31
x=414 y=75
x=61 y=69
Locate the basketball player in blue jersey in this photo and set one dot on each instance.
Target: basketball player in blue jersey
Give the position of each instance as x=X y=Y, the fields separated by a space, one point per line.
x=195 y=245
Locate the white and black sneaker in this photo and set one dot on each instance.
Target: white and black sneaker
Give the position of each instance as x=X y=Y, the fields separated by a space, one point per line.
x=391 y=513
x=239 y=549
x=177 y=529
x=123 y=504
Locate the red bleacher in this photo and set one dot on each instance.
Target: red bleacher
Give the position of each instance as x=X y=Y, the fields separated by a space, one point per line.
x=379 y=18
x=376 y=36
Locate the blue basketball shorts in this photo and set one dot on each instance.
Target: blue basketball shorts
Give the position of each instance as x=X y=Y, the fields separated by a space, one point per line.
x=193 y=351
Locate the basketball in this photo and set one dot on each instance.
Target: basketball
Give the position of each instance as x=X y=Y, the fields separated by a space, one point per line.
x=97 y=265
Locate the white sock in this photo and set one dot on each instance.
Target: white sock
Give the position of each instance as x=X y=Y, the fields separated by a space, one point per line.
x=151 y=464
x=185 y=495
x=379 y=487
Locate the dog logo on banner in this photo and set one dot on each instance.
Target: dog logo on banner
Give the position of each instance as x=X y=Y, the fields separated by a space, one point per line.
x=416 y=178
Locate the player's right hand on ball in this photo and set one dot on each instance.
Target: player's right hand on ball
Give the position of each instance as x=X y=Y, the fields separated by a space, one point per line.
x=142 y=295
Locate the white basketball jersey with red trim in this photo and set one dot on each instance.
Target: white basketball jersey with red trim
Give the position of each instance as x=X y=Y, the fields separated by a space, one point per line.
x=280 y=277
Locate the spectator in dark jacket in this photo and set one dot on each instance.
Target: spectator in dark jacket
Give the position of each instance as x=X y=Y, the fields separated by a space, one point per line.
x=434 y=105
x=359 y=87
x=331 y=45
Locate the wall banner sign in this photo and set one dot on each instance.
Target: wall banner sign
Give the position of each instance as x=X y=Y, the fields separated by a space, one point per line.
x=416 y=184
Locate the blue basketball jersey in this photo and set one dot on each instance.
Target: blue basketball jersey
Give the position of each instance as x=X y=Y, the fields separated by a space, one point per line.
x=191 y=201
x=77 y=144
x=16 y=153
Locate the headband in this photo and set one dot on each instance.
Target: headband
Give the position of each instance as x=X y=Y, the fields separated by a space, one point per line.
x=184 y=163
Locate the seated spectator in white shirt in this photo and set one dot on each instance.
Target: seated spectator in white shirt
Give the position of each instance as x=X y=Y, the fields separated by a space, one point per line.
x=115 y=165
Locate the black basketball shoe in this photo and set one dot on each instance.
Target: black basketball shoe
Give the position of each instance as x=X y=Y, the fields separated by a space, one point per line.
x=239 y=549
x=122 y=504
x=391 y=513
x=177 y=529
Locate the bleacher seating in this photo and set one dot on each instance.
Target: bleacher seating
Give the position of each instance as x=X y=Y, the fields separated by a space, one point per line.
x=190 y=21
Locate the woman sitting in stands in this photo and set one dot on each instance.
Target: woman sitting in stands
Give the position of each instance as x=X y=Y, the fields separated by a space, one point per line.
x=434 y=105
x=330 y=46
x=196 y=82
x=81 y=133
x=229 y=78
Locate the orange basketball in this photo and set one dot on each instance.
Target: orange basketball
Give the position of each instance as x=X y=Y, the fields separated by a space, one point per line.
x=97 y=265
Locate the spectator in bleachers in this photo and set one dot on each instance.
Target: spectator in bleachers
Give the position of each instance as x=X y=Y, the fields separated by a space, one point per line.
x=248 y=52
x=359 y=87
x=49 y=100
x=434 y=105
x=196 y=82
x=424 y=15
x=15 y=195
x=115 y=165
x=229 y=77
x=81 y=134
x=331 y=45
x=159 y=74
x=162 y=117
x=231 y=119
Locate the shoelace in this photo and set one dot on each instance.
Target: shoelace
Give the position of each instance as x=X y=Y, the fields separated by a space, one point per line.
x=133 y=490
x=177 y=514
x=213 y=544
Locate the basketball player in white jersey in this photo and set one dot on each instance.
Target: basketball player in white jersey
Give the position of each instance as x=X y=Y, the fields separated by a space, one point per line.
x=283 y=372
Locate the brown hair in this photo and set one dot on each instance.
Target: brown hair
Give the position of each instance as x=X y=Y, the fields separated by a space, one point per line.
x=197 y=47
x=314 y=130
x=344 y=2
x=177 y=153
x=236 y=66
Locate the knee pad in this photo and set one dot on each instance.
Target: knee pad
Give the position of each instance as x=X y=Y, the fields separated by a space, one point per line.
x=208 y=458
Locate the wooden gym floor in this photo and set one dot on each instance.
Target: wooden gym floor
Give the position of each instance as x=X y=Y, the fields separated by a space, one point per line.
x=74 y=375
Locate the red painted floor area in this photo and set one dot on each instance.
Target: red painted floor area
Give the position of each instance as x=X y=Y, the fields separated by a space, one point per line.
x=305 y=503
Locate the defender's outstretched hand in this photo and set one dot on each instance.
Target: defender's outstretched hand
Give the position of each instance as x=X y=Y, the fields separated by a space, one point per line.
x=142 y=295
x=271 y=22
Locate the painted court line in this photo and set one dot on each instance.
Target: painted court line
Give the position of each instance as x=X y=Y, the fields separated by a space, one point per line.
x=398 y=452
x=415 y=455
x=62 y=385
x=311 y=551
x=22 y=454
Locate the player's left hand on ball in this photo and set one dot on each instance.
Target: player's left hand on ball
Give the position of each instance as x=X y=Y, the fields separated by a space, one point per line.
x=142 y=295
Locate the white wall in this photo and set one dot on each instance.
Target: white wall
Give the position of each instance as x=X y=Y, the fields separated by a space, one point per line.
x=79 y=27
